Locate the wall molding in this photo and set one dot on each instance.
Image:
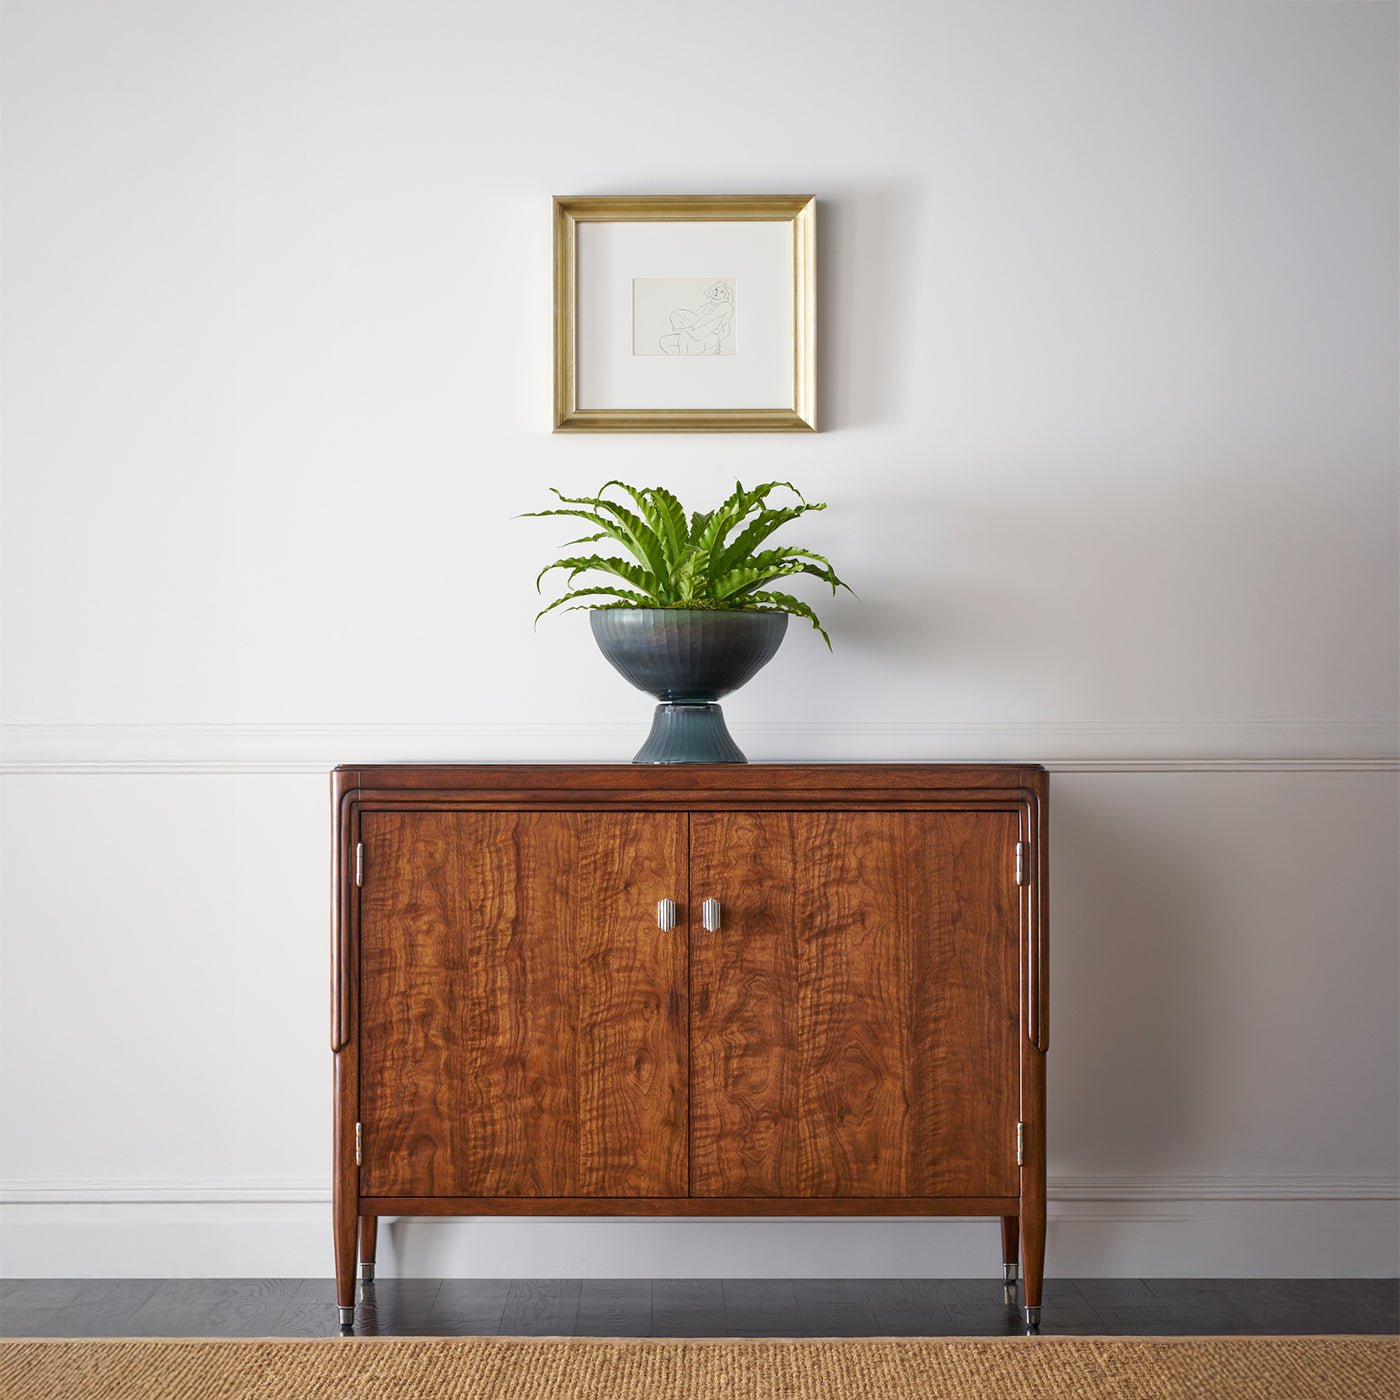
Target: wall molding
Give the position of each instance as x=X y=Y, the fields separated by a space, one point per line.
x=1183 y=1187
x=1129 y=746
x=1227 y=1186
x=1125 y=1239
x=1121 y=1225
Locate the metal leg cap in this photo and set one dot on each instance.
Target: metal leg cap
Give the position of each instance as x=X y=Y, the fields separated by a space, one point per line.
x=347 y=1317
x=367 y=1270
x=1008 y=1273
x=1032 y=1316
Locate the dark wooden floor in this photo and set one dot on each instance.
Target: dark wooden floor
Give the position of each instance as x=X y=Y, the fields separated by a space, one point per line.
x=690 y=1307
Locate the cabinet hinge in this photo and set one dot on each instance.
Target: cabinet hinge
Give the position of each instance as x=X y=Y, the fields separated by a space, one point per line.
x=1021 y=852
x=360 y=863
x=1020 y=1144
x=358 y=1152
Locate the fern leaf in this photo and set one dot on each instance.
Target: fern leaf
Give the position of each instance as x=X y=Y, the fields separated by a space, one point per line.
x=629 y=573
x=641 y=539
x=651 y=517
x=688 y=574
x=785 y=602
x=820 y=566
x=670 y=515
x=754 y=534
x=719 y=524
x=710 y=559
x=740 y=505
x=611 y=531
x=623 y=594
x=740 y=581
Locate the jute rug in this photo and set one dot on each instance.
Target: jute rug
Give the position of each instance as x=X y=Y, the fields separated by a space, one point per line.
x=498 y=1368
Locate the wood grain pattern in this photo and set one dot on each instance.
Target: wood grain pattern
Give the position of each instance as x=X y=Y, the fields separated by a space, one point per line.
x=523 y=1019
x=855 y=1019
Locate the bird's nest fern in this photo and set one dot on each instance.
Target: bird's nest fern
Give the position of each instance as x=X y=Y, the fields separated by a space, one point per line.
x=706 y=560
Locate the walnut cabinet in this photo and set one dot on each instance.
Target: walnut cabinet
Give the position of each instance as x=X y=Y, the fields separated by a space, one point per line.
x=748 y=990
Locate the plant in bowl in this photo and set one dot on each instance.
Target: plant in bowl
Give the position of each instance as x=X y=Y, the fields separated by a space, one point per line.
x=688 y=611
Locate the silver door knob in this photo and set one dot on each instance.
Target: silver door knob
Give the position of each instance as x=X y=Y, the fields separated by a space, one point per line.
x=666 y=915
x=709 y=915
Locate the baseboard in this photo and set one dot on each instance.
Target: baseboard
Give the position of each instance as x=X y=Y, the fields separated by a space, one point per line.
x=1267 y=745
x=1182 y=1239
x=1222 y=1226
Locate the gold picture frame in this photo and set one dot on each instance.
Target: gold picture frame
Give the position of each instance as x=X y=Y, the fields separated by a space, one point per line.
x=798 y=414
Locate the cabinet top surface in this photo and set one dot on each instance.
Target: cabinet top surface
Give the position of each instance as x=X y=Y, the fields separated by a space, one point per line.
x=825 y=766
x=747 y=777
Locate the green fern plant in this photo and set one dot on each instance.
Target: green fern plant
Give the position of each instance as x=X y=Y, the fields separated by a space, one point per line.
x=709 y=559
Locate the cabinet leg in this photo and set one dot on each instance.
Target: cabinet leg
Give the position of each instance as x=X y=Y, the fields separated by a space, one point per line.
x=346 y=1227
x=1033 y=1254
x=1010 y=1244
x=369 y=1237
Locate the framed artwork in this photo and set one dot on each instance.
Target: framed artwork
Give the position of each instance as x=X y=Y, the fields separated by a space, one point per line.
x=685 y=313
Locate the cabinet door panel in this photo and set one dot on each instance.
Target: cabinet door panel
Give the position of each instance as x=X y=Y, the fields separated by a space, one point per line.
x=855 y=1027
x=523 y=1020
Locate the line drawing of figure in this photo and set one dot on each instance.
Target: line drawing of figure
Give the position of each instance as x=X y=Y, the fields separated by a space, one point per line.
x=703 y=330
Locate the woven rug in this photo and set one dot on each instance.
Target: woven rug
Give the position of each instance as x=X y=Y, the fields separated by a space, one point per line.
x=497 y=1368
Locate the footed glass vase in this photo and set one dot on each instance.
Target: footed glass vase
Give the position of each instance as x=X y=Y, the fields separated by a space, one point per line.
x=688 y=658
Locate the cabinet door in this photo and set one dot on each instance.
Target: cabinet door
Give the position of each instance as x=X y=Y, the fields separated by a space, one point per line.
x=855 y=1028
x=523 y=1020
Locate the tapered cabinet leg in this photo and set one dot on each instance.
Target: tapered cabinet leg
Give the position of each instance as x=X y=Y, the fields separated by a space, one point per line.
x=369 y=1235
x=1033 y=1256
x=1010 y=1247
x=346 y=1227
x=1033 y=1196
x=345 y=1192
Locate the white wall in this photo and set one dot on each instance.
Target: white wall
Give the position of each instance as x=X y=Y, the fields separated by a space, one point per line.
x=1109 y=354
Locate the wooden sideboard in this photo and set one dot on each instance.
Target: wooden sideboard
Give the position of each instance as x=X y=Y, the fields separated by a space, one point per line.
x=739 y=990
